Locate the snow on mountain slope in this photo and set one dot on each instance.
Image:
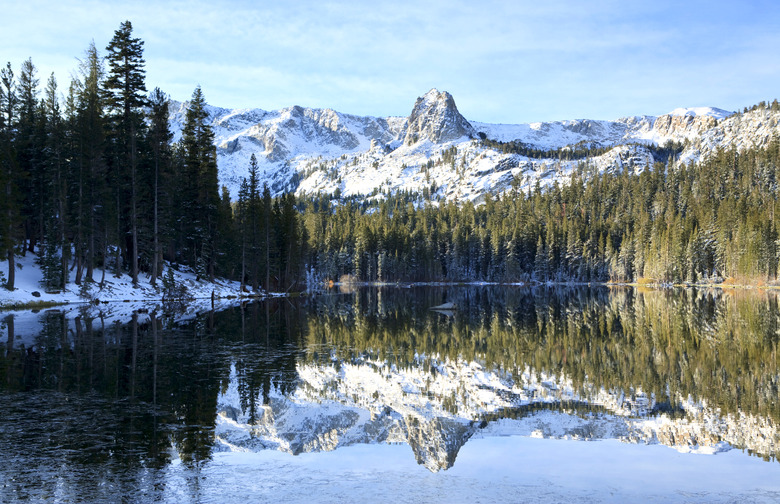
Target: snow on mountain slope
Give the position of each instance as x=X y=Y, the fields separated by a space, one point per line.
x=701 y=111
x=439 y=153
x=553 y=135
x=741 y=131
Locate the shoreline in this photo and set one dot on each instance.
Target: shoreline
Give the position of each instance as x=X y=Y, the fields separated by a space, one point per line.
x=29 y=292
x=30 y=295
x=36 y=304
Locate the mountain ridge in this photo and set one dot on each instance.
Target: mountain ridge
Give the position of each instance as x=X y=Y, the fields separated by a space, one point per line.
x=438 y=153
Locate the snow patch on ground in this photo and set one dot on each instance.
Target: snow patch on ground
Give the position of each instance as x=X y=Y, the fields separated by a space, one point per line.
x=29 y=279
x=118 y=300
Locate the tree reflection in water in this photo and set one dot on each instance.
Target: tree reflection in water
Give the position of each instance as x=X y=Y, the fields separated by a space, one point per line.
x=101 y=405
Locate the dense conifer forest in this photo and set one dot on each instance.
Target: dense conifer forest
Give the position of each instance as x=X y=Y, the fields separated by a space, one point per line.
x=91 y=181
x=706 y=222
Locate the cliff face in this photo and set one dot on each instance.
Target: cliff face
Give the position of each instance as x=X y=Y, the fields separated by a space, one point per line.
x=682 y=126
x=436 y=118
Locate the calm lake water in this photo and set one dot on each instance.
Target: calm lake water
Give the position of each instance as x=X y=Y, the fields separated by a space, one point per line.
x=157 y=406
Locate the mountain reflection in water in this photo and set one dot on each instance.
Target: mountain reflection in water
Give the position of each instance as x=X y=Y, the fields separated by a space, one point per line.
x=99 y=406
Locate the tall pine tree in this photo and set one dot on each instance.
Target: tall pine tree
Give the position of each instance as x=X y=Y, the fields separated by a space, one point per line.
x=9 y=204
x=125 y=97
x=159 y=140
x=56 y=249
x=200 y=188
x=89 y=172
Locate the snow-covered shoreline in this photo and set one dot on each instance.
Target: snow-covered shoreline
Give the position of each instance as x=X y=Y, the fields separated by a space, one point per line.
x=28 y=288
x=117 y=301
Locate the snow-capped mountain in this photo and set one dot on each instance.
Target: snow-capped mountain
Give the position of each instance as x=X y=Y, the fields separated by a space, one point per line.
x=438 y=152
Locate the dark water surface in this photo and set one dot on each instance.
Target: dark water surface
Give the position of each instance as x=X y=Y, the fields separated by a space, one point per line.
x=96 y=409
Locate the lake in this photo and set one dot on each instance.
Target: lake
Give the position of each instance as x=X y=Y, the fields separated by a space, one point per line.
x=582 y=394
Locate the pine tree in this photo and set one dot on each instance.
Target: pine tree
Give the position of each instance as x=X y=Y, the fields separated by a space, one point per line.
x=89 y=177
x=56 y=249
x=159 y=139
x=267 y=219
x=125 y=97
x=226 y=245
x=9 y=203
x=30 y=140
x=200 y=185
x=242 y=225
x=254 y=211
x=541 y=265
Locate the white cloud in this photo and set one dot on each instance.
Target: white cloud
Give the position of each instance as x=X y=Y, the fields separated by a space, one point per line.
x=503 y=61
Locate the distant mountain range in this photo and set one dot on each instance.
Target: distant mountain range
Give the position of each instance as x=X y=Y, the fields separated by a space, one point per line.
x=437 y=152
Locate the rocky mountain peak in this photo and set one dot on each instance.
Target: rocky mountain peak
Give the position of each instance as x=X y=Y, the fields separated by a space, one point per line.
x=436 y=118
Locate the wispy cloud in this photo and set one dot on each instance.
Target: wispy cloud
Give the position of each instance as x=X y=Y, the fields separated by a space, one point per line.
x=503 y=61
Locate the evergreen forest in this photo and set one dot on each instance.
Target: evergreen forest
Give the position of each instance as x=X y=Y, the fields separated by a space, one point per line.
x=707 y=222
x=91 y=180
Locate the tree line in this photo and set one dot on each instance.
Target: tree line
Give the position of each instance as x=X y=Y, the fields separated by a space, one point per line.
x=91 y=180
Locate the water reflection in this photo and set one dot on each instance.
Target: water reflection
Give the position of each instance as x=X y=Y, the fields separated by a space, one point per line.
x=98 y=405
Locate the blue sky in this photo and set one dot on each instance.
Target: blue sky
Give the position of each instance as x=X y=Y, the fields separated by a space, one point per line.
x=503 y=61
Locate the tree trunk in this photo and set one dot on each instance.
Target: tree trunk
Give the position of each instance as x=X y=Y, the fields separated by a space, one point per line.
x=118 y=265
x=133 y=211
x=11 y=270
x=91 y=246
x=80 y=225
x=156 y=254
x=9 y=229
x=64 y=246
x=267 y=256
x=243 y=262
x=105 y=256
x=79 y=265
x=30 y=246
x=41 y=219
